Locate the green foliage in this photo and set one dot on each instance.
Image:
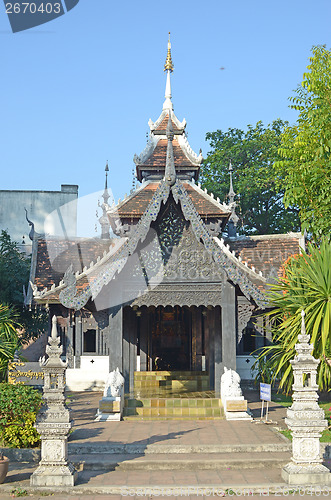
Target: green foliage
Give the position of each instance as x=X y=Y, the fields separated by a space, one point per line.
x=19 y=492
x=14 y=275
x=19 y=405
x=252 y=153
x=8 y=336
x=264 y=373
x=306 y=148
x=306 y=286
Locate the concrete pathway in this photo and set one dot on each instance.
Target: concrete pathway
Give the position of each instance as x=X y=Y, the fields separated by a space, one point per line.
x=199 y=458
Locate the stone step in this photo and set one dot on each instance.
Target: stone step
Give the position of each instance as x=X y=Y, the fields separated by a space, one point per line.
x=170 y=374
x=184 y=462
x=179 y=382
x=94 y=449
x=173 y=412
x=177 y=385
x=167 y=408
x=133 y=418
x=173 y=403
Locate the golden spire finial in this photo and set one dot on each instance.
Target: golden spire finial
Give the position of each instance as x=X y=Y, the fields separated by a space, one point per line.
x=168 y=64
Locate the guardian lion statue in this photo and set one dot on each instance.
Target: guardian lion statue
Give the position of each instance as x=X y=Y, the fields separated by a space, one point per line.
x=114 y=384
x=230 y=384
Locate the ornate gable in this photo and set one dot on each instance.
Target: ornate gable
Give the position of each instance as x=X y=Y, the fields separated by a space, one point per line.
x=71 y=294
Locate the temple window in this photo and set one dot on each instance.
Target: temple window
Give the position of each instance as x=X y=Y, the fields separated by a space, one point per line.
x=90 y=341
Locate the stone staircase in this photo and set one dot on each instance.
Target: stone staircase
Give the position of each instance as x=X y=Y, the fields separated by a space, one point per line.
x=165 y=395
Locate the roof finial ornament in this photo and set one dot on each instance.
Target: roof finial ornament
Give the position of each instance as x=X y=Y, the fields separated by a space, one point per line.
x=170 y=170
x=105 y=195
x=233 y=220
x=133 y=181
x=231 y=194
x=168 y=67
x=104 y=221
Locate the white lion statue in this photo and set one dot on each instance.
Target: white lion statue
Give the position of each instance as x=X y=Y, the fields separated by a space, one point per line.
x=114 y=384
x=230 y=384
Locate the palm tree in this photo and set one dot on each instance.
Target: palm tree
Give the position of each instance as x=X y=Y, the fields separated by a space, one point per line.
x=8 y=336
x=306 y=285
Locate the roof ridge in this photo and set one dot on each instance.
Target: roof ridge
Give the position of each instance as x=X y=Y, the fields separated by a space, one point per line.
x=188 y=151
x=242 y=264
x=128 y=197
x=148 y=150
x=113 y=248
x=154 y=125
x=209 y=197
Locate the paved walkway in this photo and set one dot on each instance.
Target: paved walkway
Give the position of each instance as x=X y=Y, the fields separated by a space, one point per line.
x=248 y=440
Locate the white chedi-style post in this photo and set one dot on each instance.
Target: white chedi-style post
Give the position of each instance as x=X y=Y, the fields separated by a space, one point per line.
x=305 y=419
x=53 y=421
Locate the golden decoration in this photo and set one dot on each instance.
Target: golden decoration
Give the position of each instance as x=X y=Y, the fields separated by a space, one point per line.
x=168 y=64
x=14 y=374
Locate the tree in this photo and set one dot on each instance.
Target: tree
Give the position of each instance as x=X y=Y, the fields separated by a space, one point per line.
x=252 y=153
x=306 y=148
x=306 y=285
x=8 y=336
x=14 y=276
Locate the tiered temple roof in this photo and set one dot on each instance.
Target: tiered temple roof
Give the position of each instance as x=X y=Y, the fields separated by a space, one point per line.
x=168 y=169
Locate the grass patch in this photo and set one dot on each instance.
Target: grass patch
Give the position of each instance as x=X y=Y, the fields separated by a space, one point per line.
x=286 y=401
x=287 y=434
x=19 y=492
x=282 y=399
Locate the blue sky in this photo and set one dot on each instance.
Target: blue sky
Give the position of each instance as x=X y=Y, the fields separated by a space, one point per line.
x=79 y=90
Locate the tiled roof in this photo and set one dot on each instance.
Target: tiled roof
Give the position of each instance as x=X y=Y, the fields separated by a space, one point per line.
x=267 y=253
x=163 y=125
x=135 y=205
x=55 y=256
x=157 y=159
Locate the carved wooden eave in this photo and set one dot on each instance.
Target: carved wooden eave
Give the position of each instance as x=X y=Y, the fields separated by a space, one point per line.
x=103 y=272
x=177 y=294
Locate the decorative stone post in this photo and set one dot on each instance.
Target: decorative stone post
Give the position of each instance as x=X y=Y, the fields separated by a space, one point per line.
x=53 y=422
x=305 y=419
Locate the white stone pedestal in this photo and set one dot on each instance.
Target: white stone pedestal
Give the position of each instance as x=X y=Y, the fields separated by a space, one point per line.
x=235 y=408
x=110 y=408
x=307 y=474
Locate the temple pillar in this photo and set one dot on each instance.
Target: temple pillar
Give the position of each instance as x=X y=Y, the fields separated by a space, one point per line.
x=144 y=322
x=115 y=338
x=126 y=348
x=228 y=344
x=198 y=327
x=132 y=318
x=70 y=342
x=206 y=337
x=218 y=347
x=78 y=343
x=194 y=338
x=209 y=327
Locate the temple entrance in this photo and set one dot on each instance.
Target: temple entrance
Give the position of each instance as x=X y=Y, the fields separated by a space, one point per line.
x=170 y=338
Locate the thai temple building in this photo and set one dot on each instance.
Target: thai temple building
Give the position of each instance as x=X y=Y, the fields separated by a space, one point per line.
x=160 y=290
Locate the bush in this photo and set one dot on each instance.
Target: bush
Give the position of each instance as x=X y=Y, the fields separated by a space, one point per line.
x=19 y=405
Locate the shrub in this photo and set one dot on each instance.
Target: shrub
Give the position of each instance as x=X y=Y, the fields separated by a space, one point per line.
x=306 y=285
x=19 y=405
